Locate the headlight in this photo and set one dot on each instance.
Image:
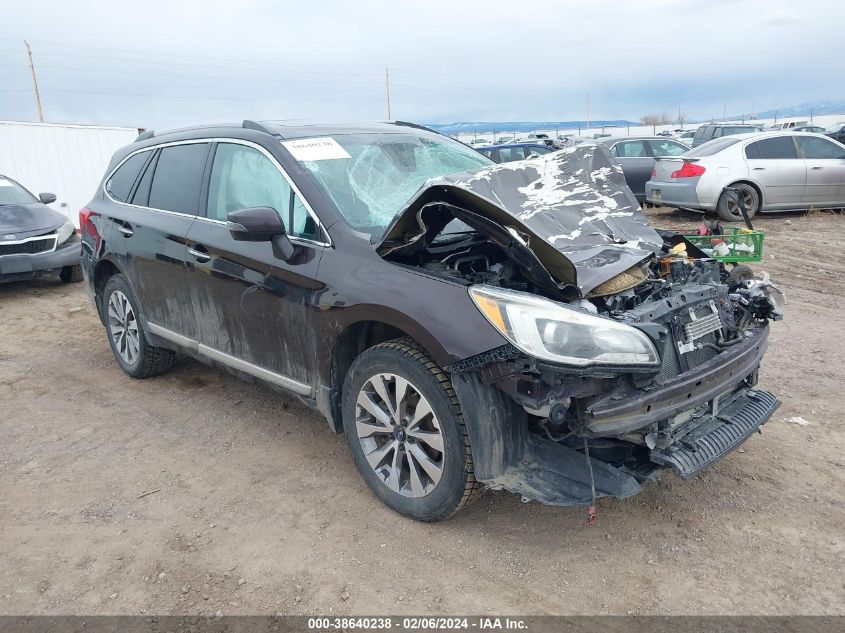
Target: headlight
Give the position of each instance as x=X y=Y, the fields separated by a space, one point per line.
x=550 y=331
x=64 y=232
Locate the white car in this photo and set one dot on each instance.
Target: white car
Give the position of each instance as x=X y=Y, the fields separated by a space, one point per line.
x=774 y=171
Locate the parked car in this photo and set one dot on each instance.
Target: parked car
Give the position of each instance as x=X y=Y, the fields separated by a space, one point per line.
x=836 y=132
x=636 y=155
x=514 y=151
x=686 y=137
x=34 y=239
x=464 y=323
x=815 y=129
x=709 y=132
x=775 y=171
x=479 y=141
x=503 y=139
x=788 y=125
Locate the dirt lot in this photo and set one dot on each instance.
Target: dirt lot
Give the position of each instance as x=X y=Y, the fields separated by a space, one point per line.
x=257 y=507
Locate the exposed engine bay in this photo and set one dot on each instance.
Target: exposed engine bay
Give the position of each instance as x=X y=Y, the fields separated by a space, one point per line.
x=707 y=322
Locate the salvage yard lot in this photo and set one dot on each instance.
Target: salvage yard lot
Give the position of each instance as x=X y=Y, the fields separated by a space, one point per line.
x=255 y=506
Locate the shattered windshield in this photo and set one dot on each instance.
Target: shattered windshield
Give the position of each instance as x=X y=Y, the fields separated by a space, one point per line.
x=371 y=177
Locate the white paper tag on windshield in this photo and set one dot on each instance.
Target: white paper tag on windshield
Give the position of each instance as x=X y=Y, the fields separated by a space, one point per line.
x=5 y=183
x=323 y=148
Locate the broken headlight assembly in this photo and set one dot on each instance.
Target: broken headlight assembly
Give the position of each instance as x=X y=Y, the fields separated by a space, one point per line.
x=549 y=331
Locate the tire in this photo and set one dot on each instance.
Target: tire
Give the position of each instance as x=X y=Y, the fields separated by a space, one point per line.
x=71 y=274
x=131 y=350
x=421 y=497
x=730 y=212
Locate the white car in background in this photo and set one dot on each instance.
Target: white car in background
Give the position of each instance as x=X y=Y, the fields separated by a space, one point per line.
x=774 y=171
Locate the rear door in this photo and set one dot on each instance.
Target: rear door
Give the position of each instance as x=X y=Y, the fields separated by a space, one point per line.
x=637 y=164
x=149 y=227
x=825 y=161
x=775 y=165
x=252 y=308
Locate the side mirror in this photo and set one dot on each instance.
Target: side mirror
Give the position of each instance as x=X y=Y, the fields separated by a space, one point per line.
x=261 y=224
x=47 y=198
x=257 y=224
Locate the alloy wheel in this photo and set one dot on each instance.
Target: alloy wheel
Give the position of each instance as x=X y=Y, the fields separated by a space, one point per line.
x=123 y=327
x=400 y=435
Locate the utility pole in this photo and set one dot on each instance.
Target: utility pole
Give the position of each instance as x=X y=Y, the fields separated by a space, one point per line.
x=34 y=82
x=387 y=90
x=588 y=111
x=725 y=111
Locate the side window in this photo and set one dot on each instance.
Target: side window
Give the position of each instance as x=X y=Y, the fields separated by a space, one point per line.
x=538 y=151
x=178 y=178
x=699 y=133
x=142 y=191
x=120 y=184
x=666 y=148
x=779 y=147
x=752 y=151
x=630 y=149
x=819 y=148
x=242 y=177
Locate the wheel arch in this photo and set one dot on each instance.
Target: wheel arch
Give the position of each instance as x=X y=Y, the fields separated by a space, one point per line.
x=750 y=183
x=356 y=338
x=104 y=270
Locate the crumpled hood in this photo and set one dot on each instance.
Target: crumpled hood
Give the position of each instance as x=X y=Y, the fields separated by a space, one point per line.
x=27 y=220
x=572 y=209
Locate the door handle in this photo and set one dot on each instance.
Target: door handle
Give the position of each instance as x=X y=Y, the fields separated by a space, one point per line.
x=202 y=257
x=759 y=169
x=816 y=167
x=126 y=230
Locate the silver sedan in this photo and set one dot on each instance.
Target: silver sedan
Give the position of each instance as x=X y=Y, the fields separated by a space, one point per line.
x=774 y=171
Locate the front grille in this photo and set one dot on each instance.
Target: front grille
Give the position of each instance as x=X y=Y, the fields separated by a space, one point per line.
x=29 y=247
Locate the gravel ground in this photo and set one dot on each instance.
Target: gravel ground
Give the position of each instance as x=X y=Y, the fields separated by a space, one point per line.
x=196 y=493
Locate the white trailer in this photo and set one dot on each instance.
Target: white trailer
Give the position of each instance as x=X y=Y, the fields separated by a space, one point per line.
x=68 y=160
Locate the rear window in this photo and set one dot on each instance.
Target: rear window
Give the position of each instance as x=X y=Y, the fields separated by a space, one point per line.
x=779 y=147
x=699 y=133
x=737 y=129
x=120 y=184
x=178 y=178
x=712 y=147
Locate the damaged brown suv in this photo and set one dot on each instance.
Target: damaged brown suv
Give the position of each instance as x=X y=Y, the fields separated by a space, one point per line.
x=466 y=324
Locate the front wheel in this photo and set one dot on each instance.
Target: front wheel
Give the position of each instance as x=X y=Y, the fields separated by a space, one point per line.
x=404 y=427
x=728 y=209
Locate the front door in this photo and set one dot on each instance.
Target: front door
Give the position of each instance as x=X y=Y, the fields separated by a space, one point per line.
x=636 y=164
x=253 y=310
x=825 y=162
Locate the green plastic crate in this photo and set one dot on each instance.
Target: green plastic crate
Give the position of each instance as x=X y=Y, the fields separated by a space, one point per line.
x=743 y=246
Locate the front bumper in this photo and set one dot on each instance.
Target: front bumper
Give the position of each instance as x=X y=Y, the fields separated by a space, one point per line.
x=615 y=416
x=22 y=267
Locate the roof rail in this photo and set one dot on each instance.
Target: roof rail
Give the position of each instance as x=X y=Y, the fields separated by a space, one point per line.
x=143 y=136
x=417 y=126
x=255 y=125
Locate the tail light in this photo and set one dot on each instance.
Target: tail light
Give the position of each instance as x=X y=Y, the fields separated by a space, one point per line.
x=688 y=170
x=654 y=172
x=84 y=215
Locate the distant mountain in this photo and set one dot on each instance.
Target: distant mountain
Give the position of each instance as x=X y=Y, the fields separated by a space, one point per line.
x=816 y=108
x=486 y=127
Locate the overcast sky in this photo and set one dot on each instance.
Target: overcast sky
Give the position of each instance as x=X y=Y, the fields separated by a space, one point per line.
x=158 y=63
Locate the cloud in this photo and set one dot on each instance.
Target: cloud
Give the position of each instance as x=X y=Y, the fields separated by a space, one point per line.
x=170 y=64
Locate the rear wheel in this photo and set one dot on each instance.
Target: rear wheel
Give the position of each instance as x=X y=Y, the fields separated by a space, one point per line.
x=404 y=427
x=728 y=209
x=71 y=274
x=126 y=334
